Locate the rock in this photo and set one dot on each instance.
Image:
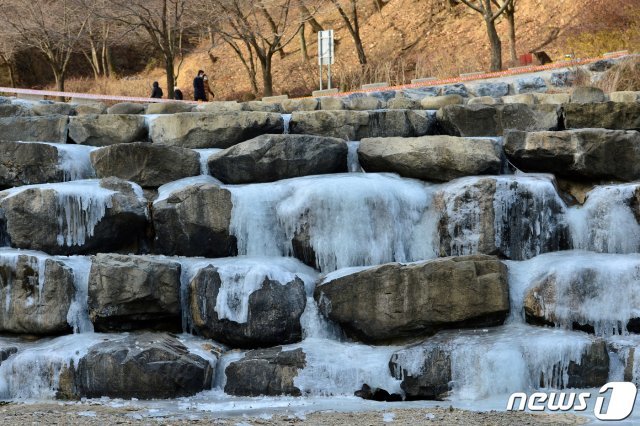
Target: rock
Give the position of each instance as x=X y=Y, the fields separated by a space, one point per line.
x=493 y=90
x=384 y=96
x=75 y=217
x=488 y=120
x=307 y=104
x=6 y=352
x=27 y=163
x=530 y=220
x=577 y=154
x=268 y=158
x=553 y=98
x=430 y=158
x=194 y=221
x=144 y=366
x=265 y=372
x=329 y=103
x=395 y=300
x=51 y=128
x=127 y=108
x=601 y=65
x=38 y=292
x=169 y=108
x=377 y=394
x=12 y=110
x=362 y=103
x=218 y=106
x=259 y=106
x=627 y=96
x=562 y=78
x=273 y=312
x=91 y=109
x=149 y=165
x=203 y=130
x=626 y=351
x=587 y=95
x=419 y=93
x=107 y=129
x=437 y=102
x=485 y=100
x=357 y=125
x=527 y=99
x=427 y=369
x=404 y=103
x=455 y=89
x=58 y=108
x=4 y=100
x=606 y=115
x=133 y=292
x=530 y=84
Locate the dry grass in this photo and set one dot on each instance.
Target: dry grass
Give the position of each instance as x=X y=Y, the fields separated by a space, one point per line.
x=623 y=76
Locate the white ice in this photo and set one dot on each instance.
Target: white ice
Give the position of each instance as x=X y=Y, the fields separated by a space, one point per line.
x=353 y=162
x=204 y=158
x=167 y=189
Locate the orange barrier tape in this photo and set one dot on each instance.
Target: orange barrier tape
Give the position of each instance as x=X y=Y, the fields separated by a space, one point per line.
x=85 y=96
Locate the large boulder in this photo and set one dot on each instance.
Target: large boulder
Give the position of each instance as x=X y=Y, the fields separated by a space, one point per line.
x=606 y=115
x=222 y=130
x=431 y=158
x=493 y=120
x=149 y=165
x=107 y=129
x=265 y=372
x=515 y=217
x=131 y=292
x=91 y=108
x=437 y=102
x=37 y=291
x=56 y=108
x=268 y=158
x=537 y=358
x=494 y=90
x=586 y=94
x=169 y=108
x=194 y=221
x=144 y=366
x=530 y=84
x=273 y=310
x=260 y=106
x=28 y=163
x=305 y=104
x=75 y=217
x=127 y=108
x=395 y=301
x=52 y=128
x=13 y=110
x=594 y=154
x=357 y=125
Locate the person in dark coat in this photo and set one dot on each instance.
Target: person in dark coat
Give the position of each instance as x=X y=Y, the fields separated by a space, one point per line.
x=199 y=93
x=157 y=91
x=177 y=94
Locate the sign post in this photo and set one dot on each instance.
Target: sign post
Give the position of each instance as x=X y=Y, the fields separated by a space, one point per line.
x=325 y=54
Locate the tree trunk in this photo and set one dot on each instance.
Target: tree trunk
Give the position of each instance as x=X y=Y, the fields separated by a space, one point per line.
x=267 y=77
x=12 y=76
x=362 y=58
x=59 y=77
x=511 y=19
x=111 y=71
x=496 y=44
x=303 y=44
x=170 y=71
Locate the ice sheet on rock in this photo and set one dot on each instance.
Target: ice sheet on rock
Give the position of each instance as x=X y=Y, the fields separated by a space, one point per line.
x=81 y=206
x=34 y=371
x=353 y=162
x=316 y=325
x=286 y=119
x=204 y=158
x=240 y=277
x=167 y=189
x=625 y=358
x=606 y=222
x=75 y=161
x=204 y=348
x=602 y=290
x=350 y=219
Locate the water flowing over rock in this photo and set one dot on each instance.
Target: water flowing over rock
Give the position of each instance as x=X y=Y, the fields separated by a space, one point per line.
x=147 y=164
x=133 y=292
x=607 y=115
x=515 y=217
x=431 y=158
x=269 y=158
x=476 y=364
x=579 y=289
x=579 y=154
x=222 y=130
x=191 y=217
x=249 y=302
x=394 y=301
x=107 y=129
x=52 y=128
x=75 y=217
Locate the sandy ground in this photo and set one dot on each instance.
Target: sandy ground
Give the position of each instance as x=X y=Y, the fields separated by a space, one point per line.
x=85 y=414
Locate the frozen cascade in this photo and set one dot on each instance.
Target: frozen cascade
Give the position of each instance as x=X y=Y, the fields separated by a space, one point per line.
x=606 y=222
x=286 y=122
x=204 y=158
x=169 y=188
x=350 y=219
x=626 y=350
x=240 y=277
x=602 y=290
x=353 y=162
x=75 y=161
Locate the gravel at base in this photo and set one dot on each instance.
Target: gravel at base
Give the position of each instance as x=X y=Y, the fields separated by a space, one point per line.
x=86 y=414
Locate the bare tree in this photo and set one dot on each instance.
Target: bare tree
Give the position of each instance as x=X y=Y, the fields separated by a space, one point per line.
x=51 y=27
x=352 y=22
x=510 y=14
x=484 y=8
x=100 y=36
x=8 y=49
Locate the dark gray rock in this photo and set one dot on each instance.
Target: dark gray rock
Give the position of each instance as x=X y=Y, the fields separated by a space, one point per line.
x=606 y=115
x=51 y=128
x=107 y=129
x=562 y=79
x=495 y=90
x=455 y=89
x=601 y=65
x=587 y=95
x=28 y=163
x=13 y=110
x=127 y=108
x=530 y=85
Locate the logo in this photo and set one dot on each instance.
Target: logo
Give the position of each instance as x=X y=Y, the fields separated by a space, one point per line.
x=619 y=396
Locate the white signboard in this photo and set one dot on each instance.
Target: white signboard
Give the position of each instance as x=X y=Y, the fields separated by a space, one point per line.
x=325 y=47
